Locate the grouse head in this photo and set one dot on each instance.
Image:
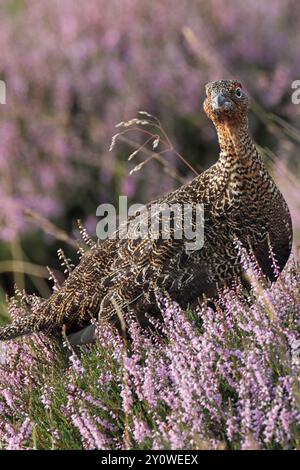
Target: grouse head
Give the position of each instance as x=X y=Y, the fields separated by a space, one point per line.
x=226 y=102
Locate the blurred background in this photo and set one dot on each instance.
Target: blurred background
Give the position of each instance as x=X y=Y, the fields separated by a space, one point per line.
x=74 y=69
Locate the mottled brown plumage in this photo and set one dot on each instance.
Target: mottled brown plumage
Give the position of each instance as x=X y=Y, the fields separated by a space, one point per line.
x=240 y=200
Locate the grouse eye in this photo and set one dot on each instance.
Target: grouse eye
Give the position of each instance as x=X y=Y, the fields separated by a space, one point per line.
x=238 y=92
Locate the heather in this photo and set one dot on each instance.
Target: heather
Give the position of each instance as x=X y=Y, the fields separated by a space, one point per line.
x=216 y=378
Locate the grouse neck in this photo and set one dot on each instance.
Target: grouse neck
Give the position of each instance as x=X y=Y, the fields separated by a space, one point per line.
x=236 y=145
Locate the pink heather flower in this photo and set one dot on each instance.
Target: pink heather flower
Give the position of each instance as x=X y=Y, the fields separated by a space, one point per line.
x=7 y=394
x=140 y=430
x=18 y=438
x=46 y=397
x=92 y=438
x=76 y=364
x=126 y=394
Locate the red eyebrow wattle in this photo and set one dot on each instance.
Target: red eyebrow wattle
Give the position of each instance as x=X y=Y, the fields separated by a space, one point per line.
x=238 y=85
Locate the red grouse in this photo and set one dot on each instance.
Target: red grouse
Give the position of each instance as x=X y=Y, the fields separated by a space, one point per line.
x=241 y=202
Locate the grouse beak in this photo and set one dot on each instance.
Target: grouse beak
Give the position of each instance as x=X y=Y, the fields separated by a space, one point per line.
x=222 y=103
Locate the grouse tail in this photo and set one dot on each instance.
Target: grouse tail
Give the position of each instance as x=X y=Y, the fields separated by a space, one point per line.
x=21 y=326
